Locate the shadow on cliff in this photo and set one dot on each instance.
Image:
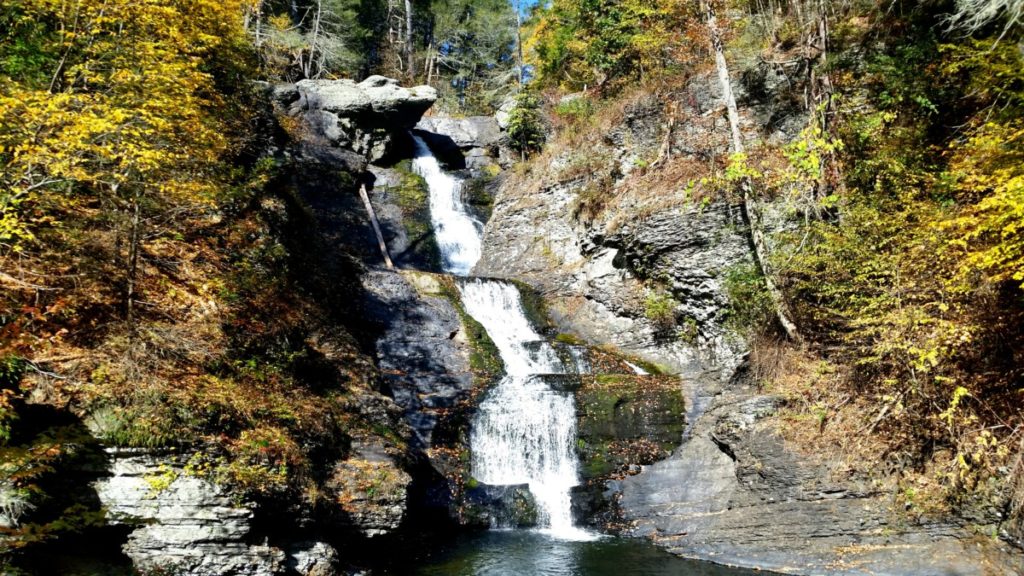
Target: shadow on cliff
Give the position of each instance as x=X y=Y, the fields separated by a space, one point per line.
x=67 y=532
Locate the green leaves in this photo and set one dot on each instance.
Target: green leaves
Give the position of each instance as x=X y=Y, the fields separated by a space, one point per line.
x=526 y=124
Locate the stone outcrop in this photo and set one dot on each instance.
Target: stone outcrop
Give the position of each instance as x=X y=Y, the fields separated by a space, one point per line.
x=474 y=142
x=365 y=117
x=182 y=522
x=370 y=489
x=313 y=559
x=733 y=493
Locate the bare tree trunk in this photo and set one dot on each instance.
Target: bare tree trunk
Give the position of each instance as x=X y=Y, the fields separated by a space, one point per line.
x=411 y=66
x=822 y=98
x=314 y=41
x=750 y=206
x=376 y=227
x=134 y=238
x=519 y=42
x=431 y=59
x=257 y=9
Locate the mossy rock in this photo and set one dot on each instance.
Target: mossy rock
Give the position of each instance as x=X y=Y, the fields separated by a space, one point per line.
x=413 y=198
x=626 y=420
x=534 y=307
x=499 y=506
x=478 y=194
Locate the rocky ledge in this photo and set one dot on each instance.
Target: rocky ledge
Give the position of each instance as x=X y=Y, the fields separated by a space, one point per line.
x=181 y=522
x=475 y=143
x=367 y=117
x=734 y=493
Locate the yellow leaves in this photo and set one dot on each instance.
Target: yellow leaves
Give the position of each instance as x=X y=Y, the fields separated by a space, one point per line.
x=136 y=112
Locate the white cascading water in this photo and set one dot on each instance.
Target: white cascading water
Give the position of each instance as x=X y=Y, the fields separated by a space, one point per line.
x=524 y=432
x=458 y=234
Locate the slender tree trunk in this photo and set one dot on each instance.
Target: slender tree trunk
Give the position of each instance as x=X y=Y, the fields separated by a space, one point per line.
x=314 y=41
x=134 y=238
x=431 y=58
x=750 y=206
x=411 y=66
x=519 y=42
x=822 y=98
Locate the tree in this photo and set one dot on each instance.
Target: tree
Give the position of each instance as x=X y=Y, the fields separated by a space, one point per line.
x=471 y=52
x=750 y=206
x=308 y=39
x=585 y=43
x=129 y=117
x=525 y=124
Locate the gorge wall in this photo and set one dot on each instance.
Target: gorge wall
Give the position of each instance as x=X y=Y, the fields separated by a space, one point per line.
x=733 y=490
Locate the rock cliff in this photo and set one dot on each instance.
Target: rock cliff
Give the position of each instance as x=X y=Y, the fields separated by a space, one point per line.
x=732 y=490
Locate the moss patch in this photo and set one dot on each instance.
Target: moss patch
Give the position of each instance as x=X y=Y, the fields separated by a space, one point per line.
x=478 y=193
x=534 y=306
x=627 y=420
x=412 y=196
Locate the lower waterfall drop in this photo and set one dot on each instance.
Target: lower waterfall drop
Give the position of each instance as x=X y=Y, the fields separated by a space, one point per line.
x=524 y=432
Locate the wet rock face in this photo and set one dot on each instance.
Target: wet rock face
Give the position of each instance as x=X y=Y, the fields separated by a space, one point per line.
x=423 y=354
x=183 y=522
x=365 y=117
x=489 y=506
x=624 y=421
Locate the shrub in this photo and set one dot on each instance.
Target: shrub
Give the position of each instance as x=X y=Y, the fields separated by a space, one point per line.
x=660 y=309
x=526 y=125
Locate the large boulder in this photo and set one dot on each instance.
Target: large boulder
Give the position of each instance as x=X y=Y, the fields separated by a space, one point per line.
x=376 y=101
x=365 y=117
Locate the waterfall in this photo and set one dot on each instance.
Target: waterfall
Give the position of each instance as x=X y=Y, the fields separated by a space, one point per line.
x=458 y=234
x=524 y=432
x=637 y=370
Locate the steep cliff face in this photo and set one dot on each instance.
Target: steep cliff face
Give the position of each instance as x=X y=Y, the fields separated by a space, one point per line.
x=295 y=492
x=601 y=269
x=625 y=254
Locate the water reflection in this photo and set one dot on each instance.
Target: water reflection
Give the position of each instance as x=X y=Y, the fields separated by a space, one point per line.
x=526 y=553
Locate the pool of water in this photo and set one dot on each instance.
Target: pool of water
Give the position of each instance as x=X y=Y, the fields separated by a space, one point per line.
x=530 y=553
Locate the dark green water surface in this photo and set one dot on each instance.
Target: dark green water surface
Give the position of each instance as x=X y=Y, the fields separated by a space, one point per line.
x=529 y=553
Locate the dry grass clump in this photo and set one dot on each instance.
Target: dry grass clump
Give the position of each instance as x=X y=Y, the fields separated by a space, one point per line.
x=821 y=418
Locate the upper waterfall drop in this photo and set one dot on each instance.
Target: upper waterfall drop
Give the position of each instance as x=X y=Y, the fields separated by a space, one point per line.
x=458 y=234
